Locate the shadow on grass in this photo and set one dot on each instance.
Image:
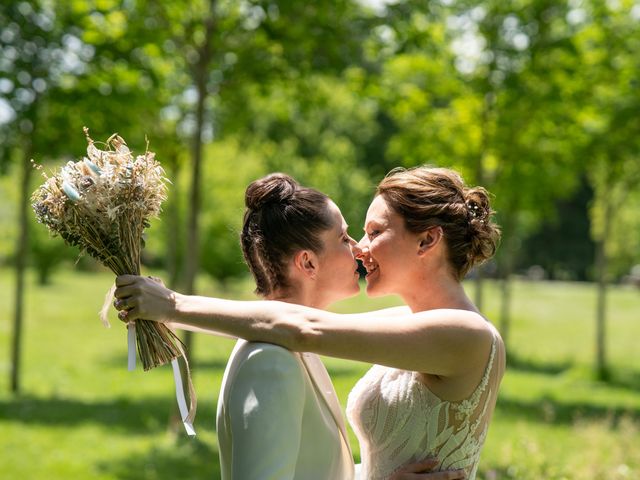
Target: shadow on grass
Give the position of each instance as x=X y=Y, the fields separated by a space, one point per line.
x=140 y=415
x=550 y=410
x=624 y=378
x=527 y=365
x=185 y=459
x=627 y=379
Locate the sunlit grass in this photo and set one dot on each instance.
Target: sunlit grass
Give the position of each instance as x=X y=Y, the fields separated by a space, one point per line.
x=81 y=414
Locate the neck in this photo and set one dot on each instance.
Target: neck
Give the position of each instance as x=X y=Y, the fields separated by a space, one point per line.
x=299 y=296
x=446 y=292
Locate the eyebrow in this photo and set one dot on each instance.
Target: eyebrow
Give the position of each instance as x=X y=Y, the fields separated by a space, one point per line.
x=368 y=224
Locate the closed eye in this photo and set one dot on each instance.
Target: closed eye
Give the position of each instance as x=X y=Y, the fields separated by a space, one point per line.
x=373 y=233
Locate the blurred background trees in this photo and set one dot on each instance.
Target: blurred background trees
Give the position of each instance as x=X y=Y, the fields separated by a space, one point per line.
x=538 y=100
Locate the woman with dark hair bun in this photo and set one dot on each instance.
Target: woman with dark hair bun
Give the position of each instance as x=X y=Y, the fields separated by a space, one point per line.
x=281 y=218
x=438 y=361
x=278 y=414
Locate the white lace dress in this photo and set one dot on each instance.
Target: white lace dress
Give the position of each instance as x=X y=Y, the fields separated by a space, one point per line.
x=398 y=420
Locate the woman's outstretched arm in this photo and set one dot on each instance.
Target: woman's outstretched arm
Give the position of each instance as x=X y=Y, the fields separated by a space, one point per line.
x=437 y=342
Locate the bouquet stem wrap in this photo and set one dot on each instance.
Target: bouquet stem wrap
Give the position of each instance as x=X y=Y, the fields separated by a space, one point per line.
x=102 y=204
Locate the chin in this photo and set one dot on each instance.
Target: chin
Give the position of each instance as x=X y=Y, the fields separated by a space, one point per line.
x=377 y=288
x=354 y=289
x=348 y=292
x=374 y=291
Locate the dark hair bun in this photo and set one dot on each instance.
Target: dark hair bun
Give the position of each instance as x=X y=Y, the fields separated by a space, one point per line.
x=281 y=218
x=273 y=189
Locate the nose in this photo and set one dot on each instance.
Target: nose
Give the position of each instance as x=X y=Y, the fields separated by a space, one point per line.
x=355 y=249
x=361 y=248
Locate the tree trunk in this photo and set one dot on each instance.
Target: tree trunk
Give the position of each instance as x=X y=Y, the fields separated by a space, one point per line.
x=173 y=220
x=507 y=263
x=173 y=255
x=20 y=266
x=505 y=304
x=200 y=77
x=480 y=180
x=192 y=253
x=602 y=371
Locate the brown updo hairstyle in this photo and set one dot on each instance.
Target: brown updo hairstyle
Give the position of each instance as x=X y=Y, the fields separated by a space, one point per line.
x=281 y=217
x=427 y=196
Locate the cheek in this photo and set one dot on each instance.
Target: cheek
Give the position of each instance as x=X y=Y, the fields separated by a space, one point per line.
x=385 y=252
x=348 y=260
x=340 y=261
x=345 y=263
x=378 y=247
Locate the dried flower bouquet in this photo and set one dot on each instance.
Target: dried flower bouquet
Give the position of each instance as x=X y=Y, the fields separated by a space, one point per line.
x=102 y=204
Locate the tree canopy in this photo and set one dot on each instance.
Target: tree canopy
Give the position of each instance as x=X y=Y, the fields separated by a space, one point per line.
x=531 y=99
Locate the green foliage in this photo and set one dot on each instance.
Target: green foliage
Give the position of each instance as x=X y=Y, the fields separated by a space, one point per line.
x=523 y=98
x=315 y=130
x=624 y=246
x=562 y=246
x=609 y=43
x=225 y=178
x=48 y=253
x=8 y=214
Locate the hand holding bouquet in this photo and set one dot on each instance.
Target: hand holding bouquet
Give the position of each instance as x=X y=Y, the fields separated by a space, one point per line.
x=102 y=204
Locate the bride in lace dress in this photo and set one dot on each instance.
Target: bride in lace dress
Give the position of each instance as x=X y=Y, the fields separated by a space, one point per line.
x=400 y=414
x=437 y=364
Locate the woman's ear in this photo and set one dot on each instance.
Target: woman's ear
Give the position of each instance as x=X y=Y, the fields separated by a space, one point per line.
x=429 y=239
x=306 y=262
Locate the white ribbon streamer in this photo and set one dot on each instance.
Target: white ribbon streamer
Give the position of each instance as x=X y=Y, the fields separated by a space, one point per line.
x=182 y=402
x=106 y=306
x=187 y=414
x=131 y=346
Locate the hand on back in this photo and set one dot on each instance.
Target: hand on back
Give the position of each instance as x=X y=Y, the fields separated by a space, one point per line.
x=424 y=471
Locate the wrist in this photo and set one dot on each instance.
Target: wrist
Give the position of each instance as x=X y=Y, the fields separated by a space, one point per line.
x=179 y=307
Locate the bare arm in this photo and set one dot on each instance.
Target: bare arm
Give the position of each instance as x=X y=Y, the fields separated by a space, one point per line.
x=191 y=328
x=393 y=311
x=175 y=324
x=437 y=342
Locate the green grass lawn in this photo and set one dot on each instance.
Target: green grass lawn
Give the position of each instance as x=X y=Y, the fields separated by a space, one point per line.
x=82 y=415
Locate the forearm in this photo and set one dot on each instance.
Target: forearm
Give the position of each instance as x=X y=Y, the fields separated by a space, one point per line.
x=441 y=342
x=266 y=321
x=433 y=344
x=175 y=325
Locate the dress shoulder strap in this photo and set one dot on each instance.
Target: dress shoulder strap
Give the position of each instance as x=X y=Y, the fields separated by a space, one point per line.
x=468 y=405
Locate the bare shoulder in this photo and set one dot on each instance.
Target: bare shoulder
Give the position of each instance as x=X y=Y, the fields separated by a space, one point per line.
x=473 y=334
x=466 y=347
x=467 y=320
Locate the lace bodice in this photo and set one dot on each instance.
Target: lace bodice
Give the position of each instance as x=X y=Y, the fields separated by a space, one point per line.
x=398 y=420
